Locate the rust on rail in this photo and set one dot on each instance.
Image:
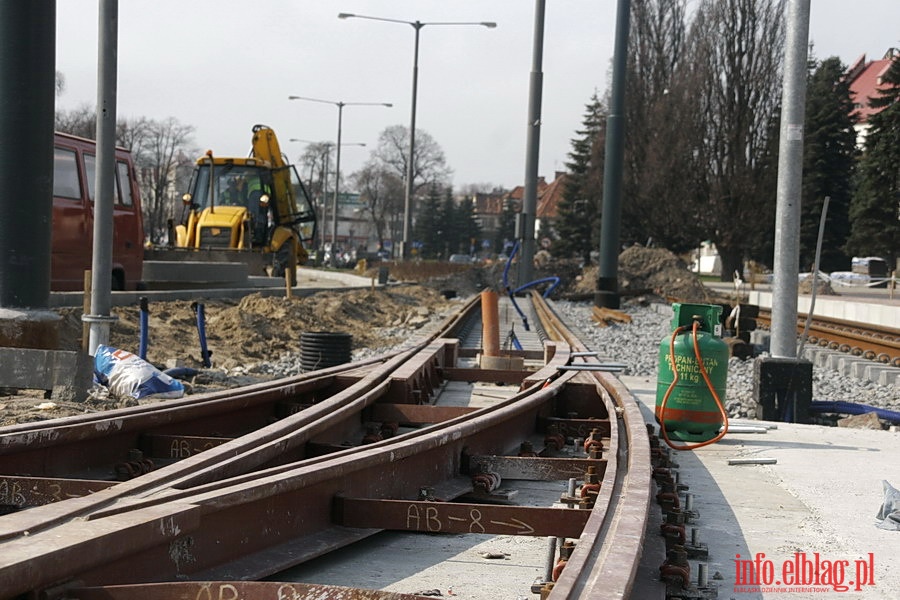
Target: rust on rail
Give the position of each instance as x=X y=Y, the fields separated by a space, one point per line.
x=417 y=440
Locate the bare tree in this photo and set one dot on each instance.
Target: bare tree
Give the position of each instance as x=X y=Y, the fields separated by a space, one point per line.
x=160 y=151
x=382 y=180
x=736 y=48
x=315 y=160
x=80 y=121
x=659 y=145
x=470 y=189
x=382 y=191
x=429 y=164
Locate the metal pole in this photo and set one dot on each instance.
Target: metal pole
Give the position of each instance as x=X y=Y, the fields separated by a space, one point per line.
x=27 y=55
x=410 y=166
x=105 y=177
x=337 y=183
x=790 y=173
x=529 y=199
x=607 y=294
x=815 y=278
x=325 y=197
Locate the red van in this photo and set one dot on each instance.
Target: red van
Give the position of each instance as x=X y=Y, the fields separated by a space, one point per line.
x=74 y=167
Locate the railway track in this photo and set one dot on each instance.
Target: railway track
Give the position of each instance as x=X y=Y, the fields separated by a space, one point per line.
x=209 y=496
x=880 y=344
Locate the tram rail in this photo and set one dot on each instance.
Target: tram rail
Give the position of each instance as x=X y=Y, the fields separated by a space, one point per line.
x=259 y=502
x=877 y=343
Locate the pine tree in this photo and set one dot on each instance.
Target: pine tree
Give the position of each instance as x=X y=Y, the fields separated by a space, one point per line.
x=428 y=223
x=452 y=232
x=470 y=231
x=579 y=206
x=828 y=157
x=506 y=231
x=875 y=208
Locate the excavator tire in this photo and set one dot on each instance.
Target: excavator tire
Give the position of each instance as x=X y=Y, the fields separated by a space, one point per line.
x=285 y=261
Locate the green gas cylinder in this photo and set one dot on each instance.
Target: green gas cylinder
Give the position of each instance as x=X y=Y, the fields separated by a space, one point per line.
x=691 y=413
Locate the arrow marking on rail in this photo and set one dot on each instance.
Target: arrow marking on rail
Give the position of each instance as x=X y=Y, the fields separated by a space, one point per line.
x=518 y=525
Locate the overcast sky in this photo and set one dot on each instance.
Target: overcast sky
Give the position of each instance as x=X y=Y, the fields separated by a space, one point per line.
x=224 y=65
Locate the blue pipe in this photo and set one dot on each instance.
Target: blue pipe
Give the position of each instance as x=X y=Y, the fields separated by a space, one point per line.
x=852 y=408
x=517 y=345
x=547 y=292
x=200 y=311
x=512 y=293
x=144 y=329
x=509 y=292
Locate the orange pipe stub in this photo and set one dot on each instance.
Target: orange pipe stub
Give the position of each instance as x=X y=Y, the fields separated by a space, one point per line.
x=490 y=323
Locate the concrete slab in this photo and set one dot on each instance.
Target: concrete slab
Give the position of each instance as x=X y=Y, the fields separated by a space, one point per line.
x=163 y=275
x=308 y=281
x=66 y=374
x=849 y=364
x=820 y=497
x=879 y=307
x=890 y=377
x=878 y=373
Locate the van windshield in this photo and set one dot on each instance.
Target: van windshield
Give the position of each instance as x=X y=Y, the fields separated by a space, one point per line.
x=233 y=185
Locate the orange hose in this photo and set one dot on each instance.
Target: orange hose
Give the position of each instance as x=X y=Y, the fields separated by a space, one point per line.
x=712 y=389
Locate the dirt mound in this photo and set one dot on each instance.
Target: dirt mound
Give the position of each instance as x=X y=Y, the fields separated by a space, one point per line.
x=644 y=271
x=823 y=287
x=262 y=328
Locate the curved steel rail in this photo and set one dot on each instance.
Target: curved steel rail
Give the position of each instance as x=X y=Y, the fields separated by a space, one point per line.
x=76 y=458
x=237 y=515
x=606 y=566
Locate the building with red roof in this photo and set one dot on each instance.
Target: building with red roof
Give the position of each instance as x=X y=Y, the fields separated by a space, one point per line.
x=866 y=78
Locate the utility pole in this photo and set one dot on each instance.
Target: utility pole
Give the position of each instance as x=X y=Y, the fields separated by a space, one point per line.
x=607 y=294
x=784 y=380
x=105 y=178
x=525 y=230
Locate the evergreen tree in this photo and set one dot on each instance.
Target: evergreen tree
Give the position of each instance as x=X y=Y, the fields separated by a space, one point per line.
x=428 y=224
x=579 y=205
x=470 y=231
x=828 y=156
x=506 y=231
x=452 y=232
x=875 y=208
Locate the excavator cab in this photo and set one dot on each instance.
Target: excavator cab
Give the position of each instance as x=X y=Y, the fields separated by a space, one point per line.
x=256 y=203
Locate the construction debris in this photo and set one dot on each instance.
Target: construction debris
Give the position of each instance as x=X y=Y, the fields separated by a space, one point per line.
x=606 y=316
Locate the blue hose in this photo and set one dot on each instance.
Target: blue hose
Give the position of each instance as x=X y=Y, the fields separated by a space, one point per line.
x=200 y=311
x=512 y=293
x=144 y=329
x=851 y=408
x=547 y=292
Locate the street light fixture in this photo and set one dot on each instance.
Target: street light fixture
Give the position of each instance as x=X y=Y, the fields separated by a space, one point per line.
x=410 y=171
x=337 y=177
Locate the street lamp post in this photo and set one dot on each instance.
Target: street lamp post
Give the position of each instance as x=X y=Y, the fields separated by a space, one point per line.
x=325 y=156
x=410 y=163
x=337 y=169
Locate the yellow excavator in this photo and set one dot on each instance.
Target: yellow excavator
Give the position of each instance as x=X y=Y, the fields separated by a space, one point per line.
x=255 y=205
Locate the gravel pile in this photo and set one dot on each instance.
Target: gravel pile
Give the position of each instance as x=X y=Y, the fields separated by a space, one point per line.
x=637 y=345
